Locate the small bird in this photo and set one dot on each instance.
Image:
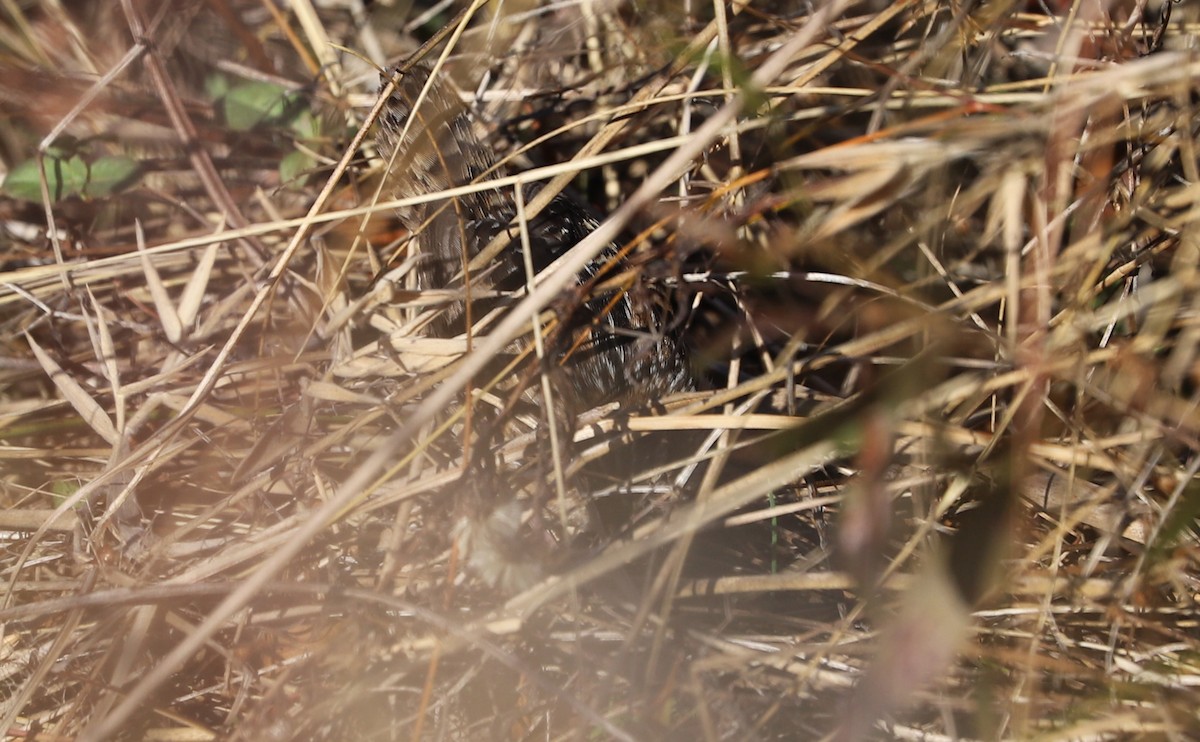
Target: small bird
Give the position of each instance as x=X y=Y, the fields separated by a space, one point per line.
x=625 y=355
x=609 y=347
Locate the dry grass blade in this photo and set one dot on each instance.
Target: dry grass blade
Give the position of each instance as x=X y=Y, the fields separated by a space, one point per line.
x=74 y=393
x=171 y=323
x=196 y=287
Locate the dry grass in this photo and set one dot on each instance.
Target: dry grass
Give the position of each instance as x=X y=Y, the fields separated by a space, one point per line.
x=937 y=262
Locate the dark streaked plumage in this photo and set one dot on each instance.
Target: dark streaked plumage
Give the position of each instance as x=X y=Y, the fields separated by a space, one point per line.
x=626 y=355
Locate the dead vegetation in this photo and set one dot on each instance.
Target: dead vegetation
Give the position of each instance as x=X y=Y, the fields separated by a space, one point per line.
x=937 y=266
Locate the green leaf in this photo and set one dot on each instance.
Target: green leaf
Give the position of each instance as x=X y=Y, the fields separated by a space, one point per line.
x=63 y=489
x=253 y=103
x=22 y=182
x=110 y=174
x=306 y=126
x=293 y=169
x=217 y=86
x=65 y=177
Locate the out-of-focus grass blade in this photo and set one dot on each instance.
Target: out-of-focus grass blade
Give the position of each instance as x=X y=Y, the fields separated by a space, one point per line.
x=91 y=412
x=162 y=301
x=193 y=292
x=108 y=361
